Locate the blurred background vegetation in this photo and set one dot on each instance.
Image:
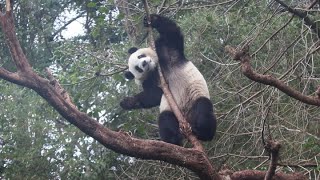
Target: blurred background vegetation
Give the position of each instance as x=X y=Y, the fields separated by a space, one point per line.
x=85 y=43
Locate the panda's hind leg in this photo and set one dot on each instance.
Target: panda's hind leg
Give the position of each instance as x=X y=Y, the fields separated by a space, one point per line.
x=203 y=120
x=169 y=128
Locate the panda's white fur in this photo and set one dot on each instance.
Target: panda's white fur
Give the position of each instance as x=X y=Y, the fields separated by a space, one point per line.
x=151 y=60
x=190 y=85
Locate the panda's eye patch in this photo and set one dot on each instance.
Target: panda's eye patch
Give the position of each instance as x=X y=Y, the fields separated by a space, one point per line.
x=138 y=69
x=141 y=56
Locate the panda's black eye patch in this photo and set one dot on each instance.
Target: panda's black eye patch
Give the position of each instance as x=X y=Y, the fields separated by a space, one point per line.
x=141 y=56
x=138 y=69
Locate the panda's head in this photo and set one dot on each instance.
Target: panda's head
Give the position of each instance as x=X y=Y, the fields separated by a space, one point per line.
x=141 y=62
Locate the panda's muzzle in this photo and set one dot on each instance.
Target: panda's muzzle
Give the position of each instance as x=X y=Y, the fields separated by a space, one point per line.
x=144 y=63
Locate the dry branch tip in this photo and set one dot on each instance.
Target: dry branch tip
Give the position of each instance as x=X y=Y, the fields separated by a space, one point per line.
x=8 y=6
x=237 y=53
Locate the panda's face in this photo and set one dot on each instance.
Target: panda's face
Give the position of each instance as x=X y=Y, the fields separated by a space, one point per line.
x=141 y=62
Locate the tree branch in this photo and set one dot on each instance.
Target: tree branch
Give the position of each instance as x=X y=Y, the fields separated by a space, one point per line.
x=302 y=15
x=243 y=56
x=19 y=58
x=273 y=148
x=10 y=76
x=65 y=25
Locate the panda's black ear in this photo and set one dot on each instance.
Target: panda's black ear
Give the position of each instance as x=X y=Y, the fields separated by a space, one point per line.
x=128 y=75
x=132 y=50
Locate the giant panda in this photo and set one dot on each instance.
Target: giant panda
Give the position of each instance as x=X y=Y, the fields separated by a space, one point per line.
x=186 y=84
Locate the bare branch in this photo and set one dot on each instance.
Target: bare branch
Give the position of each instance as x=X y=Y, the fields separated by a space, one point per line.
x=273 y=148
x=65 y=25
x=10 y=76
x=302 y=15
x=249 y=174
x=243 y=56
x=8 y=6
x=19 y=58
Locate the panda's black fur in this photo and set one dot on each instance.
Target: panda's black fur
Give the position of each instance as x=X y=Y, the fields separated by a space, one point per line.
x=185 y=82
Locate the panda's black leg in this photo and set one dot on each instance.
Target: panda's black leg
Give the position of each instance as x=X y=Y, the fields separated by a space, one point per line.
x=170 y=36
x=203 y=120
x=169 y=128
x=145 y=99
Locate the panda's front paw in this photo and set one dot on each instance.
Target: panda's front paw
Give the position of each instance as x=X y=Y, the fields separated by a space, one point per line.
x=129 y=103
x=153 y=20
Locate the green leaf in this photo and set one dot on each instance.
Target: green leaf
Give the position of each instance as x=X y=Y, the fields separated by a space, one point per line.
x=91 y=4
x=209 y=18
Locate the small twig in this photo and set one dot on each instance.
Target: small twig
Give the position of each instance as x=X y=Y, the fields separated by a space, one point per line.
x=264 y=125
x=309 y=165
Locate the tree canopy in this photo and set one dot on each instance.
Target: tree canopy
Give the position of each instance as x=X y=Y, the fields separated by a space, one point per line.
x=260 y=60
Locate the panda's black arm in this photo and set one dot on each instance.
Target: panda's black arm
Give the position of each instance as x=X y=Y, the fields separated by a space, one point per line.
x=145 y=99
x=170 y=33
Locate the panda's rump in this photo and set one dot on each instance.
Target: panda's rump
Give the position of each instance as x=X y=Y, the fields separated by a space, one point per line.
x=186 y=84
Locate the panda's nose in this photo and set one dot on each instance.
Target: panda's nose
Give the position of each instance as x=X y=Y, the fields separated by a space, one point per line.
x=144 y=63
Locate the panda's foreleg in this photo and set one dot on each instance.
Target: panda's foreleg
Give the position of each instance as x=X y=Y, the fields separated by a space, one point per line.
x=169 y=128
x=203 y=120
x=170 y=35
x=144 y=99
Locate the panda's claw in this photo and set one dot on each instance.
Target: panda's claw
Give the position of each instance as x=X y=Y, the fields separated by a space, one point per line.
x=145 y=21
x=153 y=19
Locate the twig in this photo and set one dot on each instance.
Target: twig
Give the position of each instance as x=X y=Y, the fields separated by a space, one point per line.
x=300 y=165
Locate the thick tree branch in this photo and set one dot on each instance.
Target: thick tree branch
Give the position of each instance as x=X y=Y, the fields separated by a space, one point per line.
x=19 y=58
x=243 y=56
x=10 y=76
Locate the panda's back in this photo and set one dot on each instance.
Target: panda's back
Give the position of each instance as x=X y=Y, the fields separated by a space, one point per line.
x=186 y=84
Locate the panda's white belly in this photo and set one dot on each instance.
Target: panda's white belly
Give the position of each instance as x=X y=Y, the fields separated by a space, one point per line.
x=186 y=84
